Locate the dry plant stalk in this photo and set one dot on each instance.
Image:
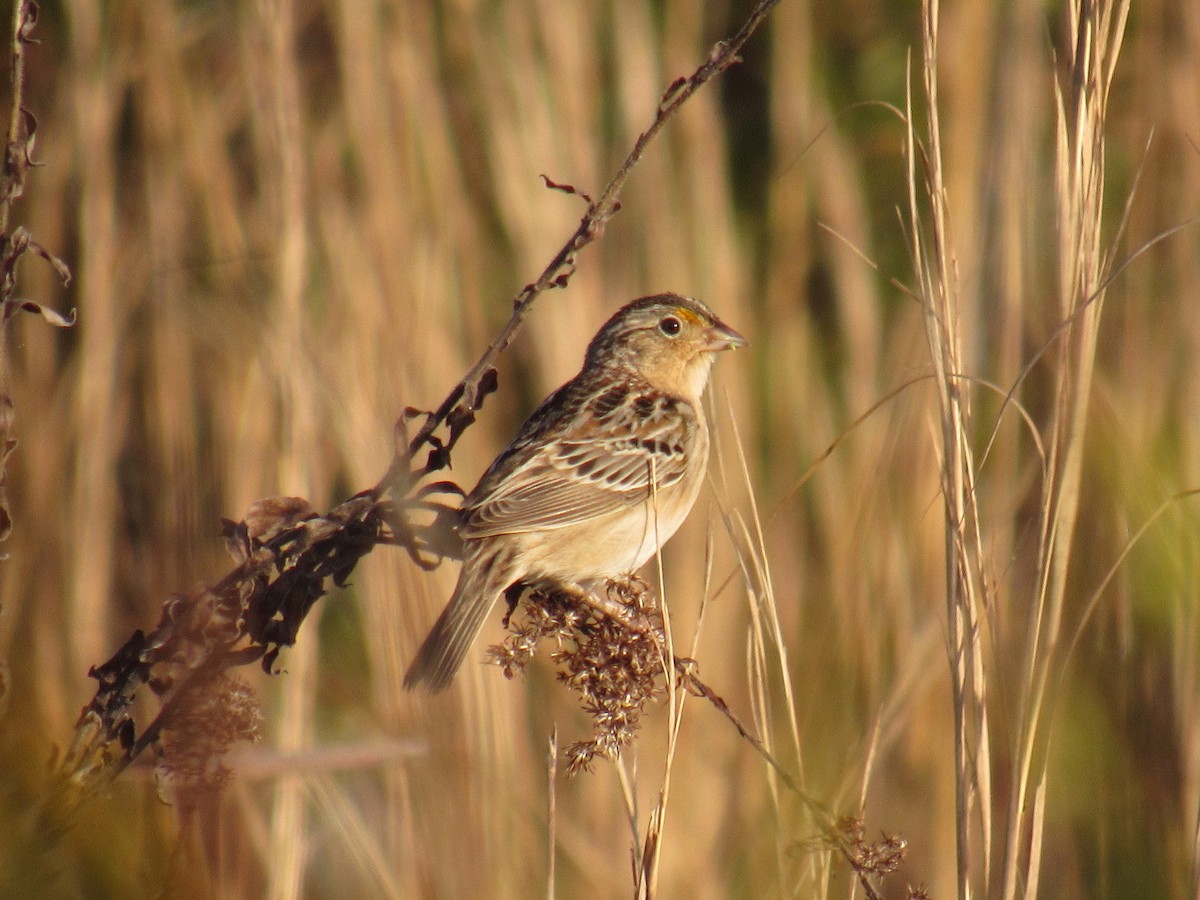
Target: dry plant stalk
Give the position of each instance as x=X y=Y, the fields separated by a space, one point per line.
x=937 y=278
x=1094 y=32
x=15 y=243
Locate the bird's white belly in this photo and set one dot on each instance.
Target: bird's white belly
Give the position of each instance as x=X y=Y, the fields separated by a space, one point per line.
x=620 y=544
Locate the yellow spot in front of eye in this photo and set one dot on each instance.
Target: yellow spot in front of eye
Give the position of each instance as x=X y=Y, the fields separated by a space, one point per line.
x=688 y=316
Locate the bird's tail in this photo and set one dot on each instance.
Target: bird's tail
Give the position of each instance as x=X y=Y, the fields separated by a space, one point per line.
x=486 y=572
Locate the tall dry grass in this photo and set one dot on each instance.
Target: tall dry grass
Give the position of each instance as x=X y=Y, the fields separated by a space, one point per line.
x=289 y=220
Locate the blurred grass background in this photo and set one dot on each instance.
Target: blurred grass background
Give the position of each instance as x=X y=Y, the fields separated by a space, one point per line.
x=288 y=220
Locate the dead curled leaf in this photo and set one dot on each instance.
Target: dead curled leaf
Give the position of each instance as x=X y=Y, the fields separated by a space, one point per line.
x=18 y=244
x=267 y=518
x=29 y=18
x=11 y=307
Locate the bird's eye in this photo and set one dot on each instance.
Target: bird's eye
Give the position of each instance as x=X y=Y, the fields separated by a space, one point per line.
x=670 y=326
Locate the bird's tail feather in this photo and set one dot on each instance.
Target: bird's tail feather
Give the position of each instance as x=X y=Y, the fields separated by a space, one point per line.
x=485 y=574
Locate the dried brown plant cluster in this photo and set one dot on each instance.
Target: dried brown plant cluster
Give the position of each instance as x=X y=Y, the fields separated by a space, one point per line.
x=613 y=662
x=870 y=859
x=196 y=738
x=285 y=554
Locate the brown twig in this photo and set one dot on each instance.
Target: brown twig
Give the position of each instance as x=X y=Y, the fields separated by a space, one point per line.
x=18 y=159
x=17 y=155
x=845 y=834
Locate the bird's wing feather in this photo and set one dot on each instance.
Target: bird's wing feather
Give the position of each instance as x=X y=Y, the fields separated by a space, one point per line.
x=600 y=464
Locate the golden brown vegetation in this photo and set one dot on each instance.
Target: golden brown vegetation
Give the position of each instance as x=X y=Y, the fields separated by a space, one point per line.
x=969 y=629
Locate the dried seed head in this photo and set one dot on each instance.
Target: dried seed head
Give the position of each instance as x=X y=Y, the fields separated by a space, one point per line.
x=203 y=724
x=614 y=667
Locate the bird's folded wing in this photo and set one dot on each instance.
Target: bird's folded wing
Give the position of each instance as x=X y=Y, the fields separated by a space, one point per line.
x=571 y=481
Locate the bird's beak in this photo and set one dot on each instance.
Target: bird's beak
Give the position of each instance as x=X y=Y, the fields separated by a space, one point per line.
x=720 y=336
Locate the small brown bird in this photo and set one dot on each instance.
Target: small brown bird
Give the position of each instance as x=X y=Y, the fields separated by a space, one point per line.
x=598 y=478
